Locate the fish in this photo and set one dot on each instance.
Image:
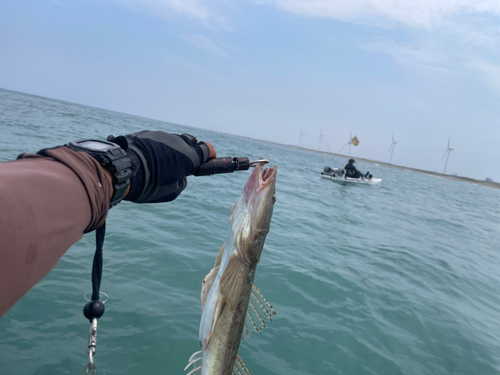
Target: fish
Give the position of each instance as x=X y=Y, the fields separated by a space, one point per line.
x=231 y=304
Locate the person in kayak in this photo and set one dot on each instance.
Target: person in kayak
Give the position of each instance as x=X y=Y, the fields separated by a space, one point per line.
x=352 y=172
x=48 y=200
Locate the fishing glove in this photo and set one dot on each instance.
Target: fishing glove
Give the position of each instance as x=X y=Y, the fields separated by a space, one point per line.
x=161 y=162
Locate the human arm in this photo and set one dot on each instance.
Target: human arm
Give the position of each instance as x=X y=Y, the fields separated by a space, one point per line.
x=46 y=206
x=48 y=201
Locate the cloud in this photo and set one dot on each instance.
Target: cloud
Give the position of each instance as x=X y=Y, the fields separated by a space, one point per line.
x=474 y=21
x=425 y=14
x=190 y=8
x=409 y=54
x=478 y=32
x=206 y=44
x=490 y=73
x=209 y=13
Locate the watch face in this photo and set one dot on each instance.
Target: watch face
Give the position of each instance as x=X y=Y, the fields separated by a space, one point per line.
x=94 y=145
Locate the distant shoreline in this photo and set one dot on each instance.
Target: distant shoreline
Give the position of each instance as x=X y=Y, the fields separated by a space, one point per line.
x=494 y=185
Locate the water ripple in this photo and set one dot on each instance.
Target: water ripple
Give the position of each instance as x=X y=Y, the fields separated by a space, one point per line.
x=398 y=278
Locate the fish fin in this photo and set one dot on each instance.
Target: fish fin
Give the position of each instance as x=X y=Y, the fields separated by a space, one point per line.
x=240 y=368
x=198 y=356
x=206 y=285
x=221 y=303
x=232 y=212
x=219 y=256
x=232 y=280
x=193 y=371
x=217 y=314
x=259 y=311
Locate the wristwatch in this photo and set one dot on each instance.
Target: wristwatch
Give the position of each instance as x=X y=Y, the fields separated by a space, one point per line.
x=113 y=158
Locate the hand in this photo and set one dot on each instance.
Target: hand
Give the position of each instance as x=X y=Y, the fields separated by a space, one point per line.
x=161 y=163
x=213 y=153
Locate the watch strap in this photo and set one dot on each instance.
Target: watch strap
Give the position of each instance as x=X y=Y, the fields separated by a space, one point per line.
x=116 y=161
x=121 y=171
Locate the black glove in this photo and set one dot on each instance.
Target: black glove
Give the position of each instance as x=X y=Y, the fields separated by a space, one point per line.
x=161 y=162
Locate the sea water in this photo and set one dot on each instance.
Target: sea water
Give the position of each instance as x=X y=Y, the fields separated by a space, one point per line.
x=397 y=278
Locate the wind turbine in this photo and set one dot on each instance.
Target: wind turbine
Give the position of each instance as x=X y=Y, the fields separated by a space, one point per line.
x=393 y=146
x=448 y=151
x=327 y=147
x=320 y=139
x=300 y=137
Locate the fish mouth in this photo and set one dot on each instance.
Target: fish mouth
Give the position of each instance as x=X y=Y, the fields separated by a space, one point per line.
x=258 y=201
x=258 y=184
x=266 y=177
x=267 y=173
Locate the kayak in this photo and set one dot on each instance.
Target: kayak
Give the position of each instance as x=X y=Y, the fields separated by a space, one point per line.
x=338 y=174
x=372 y=181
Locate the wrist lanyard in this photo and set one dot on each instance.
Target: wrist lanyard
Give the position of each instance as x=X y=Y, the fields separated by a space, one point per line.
x=94 y=309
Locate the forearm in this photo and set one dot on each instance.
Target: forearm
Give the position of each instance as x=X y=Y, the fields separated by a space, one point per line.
x=45 y=207
x=48 y=202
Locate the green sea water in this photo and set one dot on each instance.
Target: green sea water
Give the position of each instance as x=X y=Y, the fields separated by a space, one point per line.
x=396 y=278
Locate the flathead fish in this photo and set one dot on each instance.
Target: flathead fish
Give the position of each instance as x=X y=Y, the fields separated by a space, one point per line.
x=231 y=304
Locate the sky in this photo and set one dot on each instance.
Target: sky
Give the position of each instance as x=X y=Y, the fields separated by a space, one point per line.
x=424 y=71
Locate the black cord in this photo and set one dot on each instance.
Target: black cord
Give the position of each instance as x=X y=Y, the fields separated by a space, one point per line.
x=97 y=264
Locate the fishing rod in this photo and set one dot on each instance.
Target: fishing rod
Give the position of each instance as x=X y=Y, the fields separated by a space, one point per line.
x=347 y=144
x=337 y=154
x=226 y=164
